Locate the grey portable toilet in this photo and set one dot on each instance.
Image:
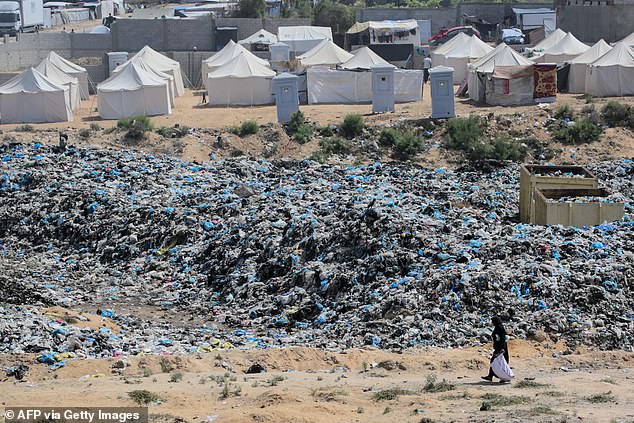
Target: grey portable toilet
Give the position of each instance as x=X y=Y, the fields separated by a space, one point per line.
x=280 y=52
x=442 y=96
x=286 y=90
x=116 y=58
x=382 y=88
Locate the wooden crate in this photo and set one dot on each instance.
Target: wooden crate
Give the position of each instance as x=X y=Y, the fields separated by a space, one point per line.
x=534 y=177
x=549 y=210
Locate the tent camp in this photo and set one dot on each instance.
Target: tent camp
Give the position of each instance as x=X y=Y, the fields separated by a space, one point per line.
x=510 y=86
x=303 y=38
x=578 y=66
x=56 y=76
x=224 y=56
x=71 y=69
x=142 y=63
x=326 y=53
x=383 y=32
x=31 y=97
x=131 y=92
x=565 y=50
x=351 y=87
x=461 y=54
x=613 y=73
x=242 y=81
x=164 y=64
x=364 y=58
x=549 y=41
x=260 y=41
x=502 y=55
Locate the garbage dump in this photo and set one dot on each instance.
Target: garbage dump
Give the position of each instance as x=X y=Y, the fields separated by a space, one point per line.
x=246 y=253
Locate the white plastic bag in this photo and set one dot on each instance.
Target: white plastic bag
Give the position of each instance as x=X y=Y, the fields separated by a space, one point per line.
x=501 y=368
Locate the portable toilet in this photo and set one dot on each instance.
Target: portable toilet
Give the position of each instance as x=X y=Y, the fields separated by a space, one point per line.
x=115 y=59
x=286 y=91
x=442 y=98
x=280 y=52
x=382 y=88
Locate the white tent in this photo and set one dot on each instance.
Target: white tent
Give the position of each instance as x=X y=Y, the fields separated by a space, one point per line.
x=31 y=97
x=242 y=81
x=502 y=55
x=302 y=38
x=364 y=58
x=349 y=87
x=224 y=56
x=509 y=86
x=131 y=92
x=629 y=40
x=73 y=70
x=461 y=54
x=261 y=37
x=550 y=41
x=326 y=53
x=565 y=50
x=613 y=73
x=437 y=54
x=578 y=65
x=56 y=76
x=142 y=63
x=164 y=64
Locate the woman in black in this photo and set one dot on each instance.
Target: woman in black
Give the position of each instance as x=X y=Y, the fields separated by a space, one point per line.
x=499 y=345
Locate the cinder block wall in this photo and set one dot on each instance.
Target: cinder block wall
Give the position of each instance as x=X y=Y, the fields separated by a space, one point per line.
x=248 y=26
x=591 y=23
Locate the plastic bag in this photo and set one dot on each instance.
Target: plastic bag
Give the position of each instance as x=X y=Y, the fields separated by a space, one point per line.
x=501 y=368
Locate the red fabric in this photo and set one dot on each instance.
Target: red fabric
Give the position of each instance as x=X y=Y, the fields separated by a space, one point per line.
x=545 y=80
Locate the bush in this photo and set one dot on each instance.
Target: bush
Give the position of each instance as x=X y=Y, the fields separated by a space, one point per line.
x=352 y=126
x=95 y=127
x=588 y=98
x=140 y=122
x=583 y=131
x=388 y=137
x=327 y=130
x=506 y=148
x=617 y=114
x=301 y=130
x=464 y=132
x=405 y=144
x=249 y=127
x=334 y=145
x=137 y=131
x=319 y=156
x=144 y=397
x=564 y=112
x=25 y=128
x=173 y=132
x=85 y=133
x=297 y=119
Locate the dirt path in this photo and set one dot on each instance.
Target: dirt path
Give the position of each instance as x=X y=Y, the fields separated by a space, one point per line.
x=308 y=385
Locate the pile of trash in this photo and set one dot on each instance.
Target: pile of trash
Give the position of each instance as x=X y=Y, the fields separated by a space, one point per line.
x=248 y=253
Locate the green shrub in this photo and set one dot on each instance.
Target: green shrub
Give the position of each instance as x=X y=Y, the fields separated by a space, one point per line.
x=388 y=137
x=173 y=132
x=137 y=131
x=464 y=132
x=407 y=146
x=95 y=127
x=249 y=127
x=297 y=119
x=236 y=152
x=617 y=114
x=506 y=148
x=144 y=397
x=327 y=130
x=564 y=112
x=391 y=394
x=25 y=128
x=334 y=145
x=140 y=122
x=85 y=133
x=176 y=377
x=588 y=98
x=432 y=385
x=583 y=131
x=319 y=156
x=303 y=134
x=352 y=126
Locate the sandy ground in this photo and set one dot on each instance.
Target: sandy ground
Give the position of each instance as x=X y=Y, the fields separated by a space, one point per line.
x=319 y=386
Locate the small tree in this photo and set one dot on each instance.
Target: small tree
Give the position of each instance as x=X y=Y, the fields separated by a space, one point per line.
x=250 y=9
x=338 y=16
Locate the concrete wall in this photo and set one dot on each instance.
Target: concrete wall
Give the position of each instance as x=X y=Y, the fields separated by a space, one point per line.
x=591 y=23
x=163 y=34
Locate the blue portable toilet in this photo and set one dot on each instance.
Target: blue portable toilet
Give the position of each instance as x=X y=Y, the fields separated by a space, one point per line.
x=382 y=88
x=442 y=96
x=286 y=90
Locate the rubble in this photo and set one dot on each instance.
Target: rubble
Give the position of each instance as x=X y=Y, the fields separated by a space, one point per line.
x=247 y=253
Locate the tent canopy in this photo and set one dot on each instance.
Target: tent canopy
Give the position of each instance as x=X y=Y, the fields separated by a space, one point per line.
x=620 y=55
x=261 y=37
x=57 y=76
x=551 y=40
x=457 y=40
x=228 y=53
x=364 y=58
x=295 y=33
x=613 y=73
x=407 y=24
x=131 y=77
x=30 y=81
x=593 y=53
x=502 y=55
x=65 y=65
x=325 y=53
x=162 y=63
x=628 y=40
x=566 y=49
x=472 y=48
x=242 y=66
